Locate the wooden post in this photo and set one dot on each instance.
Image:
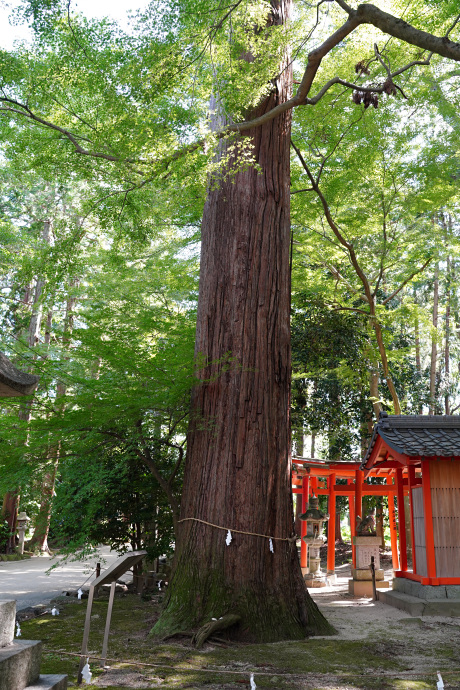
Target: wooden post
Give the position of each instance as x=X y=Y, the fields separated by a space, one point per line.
x=393 y=530
x=303 y=524
x=401 y=521
x=84 y=645
x=107 y=623
x=428 y=511
x=351 y=509
x=331 y=527
x=374 y=588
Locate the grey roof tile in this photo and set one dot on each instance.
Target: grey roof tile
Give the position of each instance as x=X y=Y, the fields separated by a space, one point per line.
x=418 y=435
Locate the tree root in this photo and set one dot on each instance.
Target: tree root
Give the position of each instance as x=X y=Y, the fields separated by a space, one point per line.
x=208 y=629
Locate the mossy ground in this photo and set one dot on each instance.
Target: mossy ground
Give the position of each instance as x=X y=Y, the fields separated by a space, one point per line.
x=313 y=664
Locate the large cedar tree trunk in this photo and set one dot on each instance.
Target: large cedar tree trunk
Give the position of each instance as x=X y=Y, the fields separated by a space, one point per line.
x=238 y=467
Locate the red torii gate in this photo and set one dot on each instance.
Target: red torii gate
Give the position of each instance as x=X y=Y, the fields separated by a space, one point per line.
x=319 y=477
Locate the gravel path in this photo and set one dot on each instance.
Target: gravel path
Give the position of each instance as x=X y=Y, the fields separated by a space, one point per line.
x=28 y=582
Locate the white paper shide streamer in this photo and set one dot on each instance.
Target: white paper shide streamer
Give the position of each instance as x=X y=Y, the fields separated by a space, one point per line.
x=251 y=680
x=440 y=683
x=54 y=611
x=228 y=538
x=79 y=593
x=18 y=630
x=270 y=544
x=86 y=673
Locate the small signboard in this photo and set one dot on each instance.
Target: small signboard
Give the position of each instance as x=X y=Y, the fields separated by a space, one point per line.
x=111 y=575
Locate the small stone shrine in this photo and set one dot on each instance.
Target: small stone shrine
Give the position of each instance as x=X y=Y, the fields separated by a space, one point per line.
x=314 y=539
x=367 y=545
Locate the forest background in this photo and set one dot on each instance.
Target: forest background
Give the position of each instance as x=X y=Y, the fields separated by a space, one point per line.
x=99 y=253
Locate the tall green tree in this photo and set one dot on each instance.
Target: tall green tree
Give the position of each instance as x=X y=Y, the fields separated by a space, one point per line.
x=127 y=111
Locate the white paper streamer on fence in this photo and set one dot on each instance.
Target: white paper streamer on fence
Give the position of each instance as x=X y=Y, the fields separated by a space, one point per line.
x=79 y=593
x=251 y=680
x=228 y=538
x=54 y=611
x=18 y=630
x=86 y=673
x=270 y=543
x=440 y=683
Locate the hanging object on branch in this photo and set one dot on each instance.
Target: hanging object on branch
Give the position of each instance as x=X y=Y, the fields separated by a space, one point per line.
x=228 y=538
x=270 y=544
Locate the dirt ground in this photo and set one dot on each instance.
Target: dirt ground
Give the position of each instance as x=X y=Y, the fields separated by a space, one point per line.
x=376 y=647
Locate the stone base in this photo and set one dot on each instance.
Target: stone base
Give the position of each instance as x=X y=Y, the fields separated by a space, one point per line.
x=19 y=664
x=363 y=588
x=367 y=541
x=54 y=681
x=7 y=619
x=423 y=600
x=305 y=571
x=421 y=607
x=426 y=592
x=366 y=574
x=314 y=581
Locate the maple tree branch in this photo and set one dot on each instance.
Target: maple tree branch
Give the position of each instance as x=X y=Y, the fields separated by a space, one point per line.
x=404 y=283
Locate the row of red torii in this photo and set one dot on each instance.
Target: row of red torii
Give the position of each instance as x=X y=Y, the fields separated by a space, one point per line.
x=414 y=456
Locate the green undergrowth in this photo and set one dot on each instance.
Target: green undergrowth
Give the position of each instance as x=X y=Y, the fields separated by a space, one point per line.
x=313 y=664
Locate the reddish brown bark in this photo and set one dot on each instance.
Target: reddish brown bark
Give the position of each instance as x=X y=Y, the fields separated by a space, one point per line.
x=238 y=451
x=9 y=513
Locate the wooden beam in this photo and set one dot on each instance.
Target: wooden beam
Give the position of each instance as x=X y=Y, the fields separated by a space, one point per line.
x=428 y=512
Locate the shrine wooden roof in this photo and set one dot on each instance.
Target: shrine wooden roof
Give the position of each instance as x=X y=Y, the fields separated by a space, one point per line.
x=417 y=435
x=14 y=382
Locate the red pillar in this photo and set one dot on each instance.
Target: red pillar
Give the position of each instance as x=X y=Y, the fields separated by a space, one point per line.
x=401 y=521
x=393 y=530
x=428 y=511
x=351 y=508
x=411 y=482
x=359 y=478
x=303 y=524
x=331 y=527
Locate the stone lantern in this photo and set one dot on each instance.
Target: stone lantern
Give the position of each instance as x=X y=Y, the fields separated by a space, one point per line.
x=315 y=519
x=22 y=522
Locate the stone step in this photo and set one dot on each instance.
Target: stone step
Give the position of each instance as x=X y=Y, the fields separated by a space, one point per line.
x=7 y=619
x=405 y=602
x=421 y=607
x=20 y=664
x=50 y=681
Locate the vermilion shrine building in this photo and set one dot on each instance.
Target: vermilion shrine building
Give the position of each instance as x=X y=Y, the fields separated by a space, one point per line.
x=414 y=456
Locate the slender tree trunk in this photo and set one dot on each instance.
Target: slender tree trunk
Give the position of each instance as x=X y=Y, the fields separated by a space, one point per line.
x=238 y=468
x=385 y=367
x=449 y=280
x=39 y=539
x=434 y=342
x=374 y=390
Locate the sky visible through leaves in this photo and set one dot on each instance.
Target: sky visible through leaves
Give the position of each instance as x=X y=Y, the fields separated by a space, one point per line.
x=115 y=9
